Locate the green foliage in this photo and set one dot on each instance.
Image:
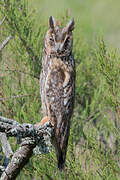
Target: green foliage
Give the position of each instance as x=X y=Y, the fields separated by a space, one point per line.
x=93 y=150
x=109 y=68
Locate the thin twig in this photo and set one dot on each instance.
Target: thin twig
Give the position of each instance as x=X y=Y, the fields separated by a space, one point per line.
x=1 y=22
x=5 y=42
x=92 y=115
x=14 y=97
x=19 y=71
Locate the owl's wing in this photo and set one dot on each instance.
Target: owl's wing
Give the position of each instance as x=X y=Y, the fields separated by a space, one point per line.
x=60 y=94
x=60 y=99
x=43 y=76
x=42 y=92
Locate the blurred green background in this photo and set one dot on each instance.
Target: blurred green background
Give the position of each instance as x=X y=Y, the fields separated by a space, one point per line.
x=95 y=17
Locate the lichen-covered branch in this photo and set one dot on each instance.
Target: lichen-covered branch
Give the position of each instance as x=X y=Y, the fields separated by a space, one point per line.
x=34 y=136
x=5 y=145
x=19 y=159
x=2 y=169
x=13 y=128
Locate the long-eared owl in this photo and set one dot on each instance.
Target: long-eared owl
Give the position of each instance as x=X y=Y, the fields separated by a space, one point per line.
x=57 y=84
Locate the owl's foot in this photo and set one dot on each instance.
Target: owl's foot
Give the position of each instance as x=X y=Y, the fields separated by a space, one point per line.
x=43 y=121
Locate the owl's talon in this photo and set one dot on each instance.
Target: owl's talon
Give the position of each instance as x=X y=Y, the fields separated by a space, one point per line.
x=43 y=121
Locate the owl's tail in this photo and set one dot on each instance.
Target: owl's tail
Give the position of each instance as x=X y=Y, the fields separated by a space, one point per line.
x=60 y=140
x=60 y=155
x=61 y=161
x=61 y=150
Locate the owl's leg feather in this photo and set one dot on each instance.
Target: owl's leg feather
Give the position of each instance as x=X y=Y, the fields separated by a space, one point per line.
x=43 y=121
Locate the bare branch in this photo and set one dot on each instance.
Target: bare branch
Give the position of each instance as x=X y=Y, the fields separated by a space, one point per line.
x=5 y=42
x=1 y=22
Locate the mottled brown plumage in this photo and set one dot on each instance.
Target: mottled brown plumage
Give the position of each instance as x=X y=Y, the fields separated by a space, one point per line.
x=57 y=85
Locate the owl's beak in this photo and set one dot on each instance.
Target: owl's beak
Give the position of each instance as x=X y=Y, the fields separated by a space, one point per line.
x=58 y=47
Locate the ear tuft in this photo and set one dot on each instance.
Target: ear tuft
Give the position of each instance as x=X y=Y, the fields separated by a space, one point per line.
x=70 y=25
x=52 y=22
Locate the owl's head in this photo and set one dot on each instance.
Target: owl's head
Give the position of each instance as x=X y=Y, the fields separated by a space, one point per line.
x=58 y=41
